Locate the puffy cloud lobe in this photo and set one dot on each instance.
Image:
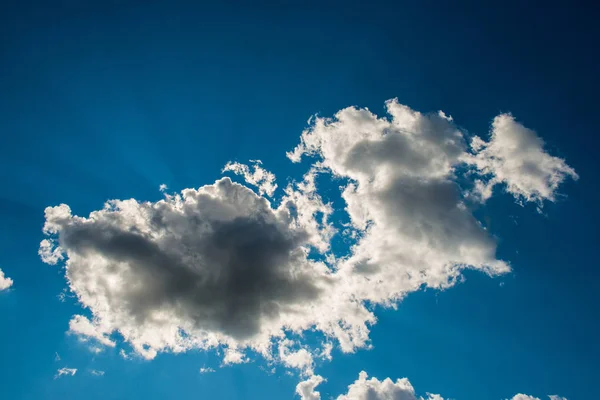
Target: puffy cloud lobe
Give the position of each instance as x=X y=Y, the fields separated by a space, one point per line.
x=357 y=144
x=414 y=226
x=82 y=326
x=306 y=389
x=49 y=253
x=5 y=281
x=234 y=356
x=259 y=177
x=300 y=359
x=515 y=156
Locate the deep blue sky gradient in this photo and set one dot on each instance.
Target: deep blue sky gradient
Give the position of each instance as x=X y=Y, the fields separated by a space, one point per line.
x=109 y=99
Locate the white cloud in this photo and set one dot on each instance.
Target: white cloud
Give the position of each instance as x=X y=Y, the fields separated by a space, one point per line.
x=96 y=372
x=304 y=204
x=515 y=157
x=205 y=370
x=83 y=327
x=222 y=267
x=300 y=359
x=162 y=187
x=306 y=389
x=414 y=226
x=5 y=281
x=124 y=355
x=65 y=371
x=233 y=355
x=375 y=389
x=434 y=397
x=366 y=389
x=528 y=397
x=326 y=351
x=259 y=177
x=49 y=252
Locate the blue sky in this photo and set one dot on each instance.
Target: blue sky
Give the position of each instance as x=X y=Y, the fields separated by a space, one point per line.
x=104 y=100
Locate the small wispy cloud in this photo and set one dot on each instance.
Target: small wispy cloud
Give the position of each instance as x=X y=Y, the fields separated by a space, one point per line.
x=65 y=371
x=205 y=370
x=125 y=356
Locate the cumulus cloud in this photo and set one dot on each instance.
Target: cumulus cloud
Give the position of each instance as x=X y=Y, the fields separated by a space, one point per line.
x=5 y=281
x=374 y=389
x=220 y=266
x=205 y=370
x=515 y=156
x=527 y=397
x=204 y=267
x=49 y=252
x=414 y=226
x=65 y=371
x=306 y=389
x=258 y=176
x=300 y=359
x=366 y=389
x=233 y=355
